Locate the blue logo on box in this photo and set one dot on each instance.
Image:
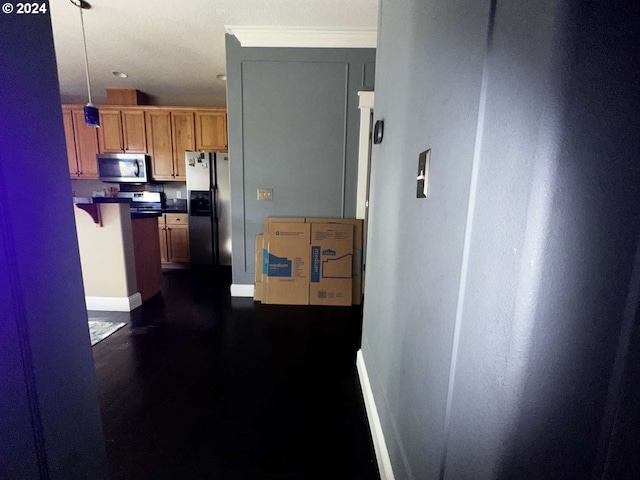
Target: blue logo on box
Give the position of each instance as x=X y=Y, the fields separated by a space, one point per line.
x=265 y=261
x=315 y=264
x=279 y=267
x=329 y=252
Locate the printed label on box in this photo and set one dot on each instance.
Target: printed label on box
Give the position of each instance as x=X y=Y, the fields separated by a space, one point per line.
x=337 y=267
x=279 y=267
x=315 y=264
x=265 y=261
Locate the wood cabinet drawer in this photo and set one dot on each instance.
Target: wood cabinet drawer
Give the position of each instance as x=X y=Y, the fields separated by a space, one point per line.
x=177 y=218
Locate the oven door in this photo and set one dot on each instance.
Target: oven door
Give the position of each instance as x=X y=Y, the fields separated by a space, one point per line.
x=123 y=168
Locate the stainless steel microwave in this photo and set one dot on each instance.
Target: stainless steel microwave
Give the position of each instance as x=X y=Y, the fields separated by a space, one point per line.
x=124 y=167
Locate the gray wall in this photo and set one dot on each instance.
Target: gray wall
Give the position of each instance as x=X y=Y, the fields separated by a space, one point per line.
x=494 y=308
x=293 y=127
x=50 y=425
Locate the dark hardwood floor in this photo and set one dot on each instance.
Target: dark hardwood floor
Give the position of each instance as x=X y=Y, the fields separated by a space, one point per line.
x=200 y=385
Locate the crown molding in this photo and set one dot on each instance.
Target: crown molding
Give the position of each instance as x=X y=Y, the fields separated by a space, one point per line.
x=303 y=37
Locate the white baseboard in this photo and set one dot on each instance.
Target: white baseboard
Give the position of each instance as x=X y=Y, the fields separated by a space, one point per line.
x=238 y=290
x=114 y=304
x=379 y=443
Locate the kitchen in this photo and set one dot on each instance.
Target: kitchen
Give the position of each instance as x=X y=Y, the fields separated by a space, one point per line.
x=315 y=152
x=169 y=163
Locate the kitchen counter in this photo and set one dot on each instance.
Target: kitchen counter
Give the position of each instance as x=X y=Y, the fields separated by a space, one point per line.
x=90 y=200
x=85 y=202
x=119 y=253
x=174 y=210
x=139 y=215
x=105 y=243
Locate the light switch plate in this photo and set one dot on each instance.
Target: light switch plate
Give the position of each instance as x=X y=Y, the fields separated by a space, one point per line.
x=424 y=162
x=265 y=194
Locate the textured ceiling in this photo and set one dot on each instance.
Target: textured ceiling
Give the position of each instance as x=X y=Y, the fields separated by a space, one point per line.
x=173 y=50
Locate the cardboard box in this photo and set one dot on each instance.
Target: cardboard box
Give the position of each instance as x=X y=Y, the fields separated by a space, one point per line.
x=258 y=288
x=266 y=222
x=263 y=280
x=331 y=264
x=286 y=262
x=358 y=252
x=258 y=292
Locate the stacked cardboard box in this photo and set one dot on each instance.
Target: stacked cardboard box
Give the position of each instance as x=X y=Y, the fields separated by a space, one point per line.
x=316 y=261
x=358 y=253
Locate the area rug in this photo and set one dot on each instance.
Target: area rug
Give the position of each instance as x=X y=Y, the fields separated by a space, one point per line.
x=99 y=330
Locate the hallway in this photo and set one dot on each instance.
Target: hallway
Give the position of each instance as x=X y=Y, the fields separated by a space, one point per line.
x=200 y=386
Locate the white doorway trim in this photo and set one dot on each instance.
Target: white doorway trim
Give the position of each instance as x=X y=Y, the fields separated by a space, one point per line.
x=365 y=104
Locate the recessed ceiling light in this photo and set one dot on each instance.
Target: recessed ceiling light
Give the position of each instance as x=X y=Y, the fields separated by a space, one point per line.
x=222 y=76
x=120 y=74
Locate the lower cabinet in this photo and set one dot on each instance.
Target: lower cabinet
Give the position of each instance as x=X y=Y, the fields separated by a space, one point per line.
x=173 y=229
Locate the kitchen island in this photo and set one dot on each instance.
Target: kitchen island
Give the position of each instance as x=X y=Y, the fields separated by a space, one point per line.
x=119 y=253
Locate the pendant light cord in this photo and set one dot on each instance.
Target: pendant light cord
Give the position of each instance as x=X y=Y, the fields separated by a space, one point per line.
x=86 y=58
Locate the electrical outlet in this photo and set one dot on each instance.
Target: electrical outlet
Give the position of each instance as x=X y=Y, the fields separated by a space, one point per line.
x=178 y=194
x=265 y=194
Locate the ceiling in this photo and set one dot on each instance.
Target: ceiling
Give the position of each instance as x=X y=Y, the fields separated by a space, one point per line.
x=173 y=50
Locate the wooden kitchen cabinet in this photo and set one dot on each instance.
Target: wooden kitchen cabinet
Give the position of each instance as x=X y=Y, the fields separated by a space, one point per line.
x=162 y=233
x=82 y=144
x=72 y=157
x=165 y=133
x=133 y=131
x=211 y=130
x=122 y=131
x=158 y=125
x=169 y=135
x=110 y=132
x=183 y=136
x=178 y=243
x=173 y=230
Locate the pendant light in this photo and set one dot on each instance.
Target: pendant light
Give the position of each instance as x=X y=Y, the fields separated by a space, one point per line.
x=91 y=115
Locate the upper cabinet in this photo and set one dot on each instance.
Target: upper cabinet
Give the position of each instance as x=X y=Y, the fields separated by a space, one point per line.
x=169 y=135
x=72 y=156
x=133 y=131
x=122 y=131
x=82 y=144
x=182 y=127
x=160 y=145
x=164 y=133
x=211 y=130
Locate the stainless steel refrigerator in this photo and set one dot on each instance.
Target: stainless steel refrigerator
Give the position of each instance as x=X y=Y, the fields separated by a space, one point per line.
x=208 y=191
